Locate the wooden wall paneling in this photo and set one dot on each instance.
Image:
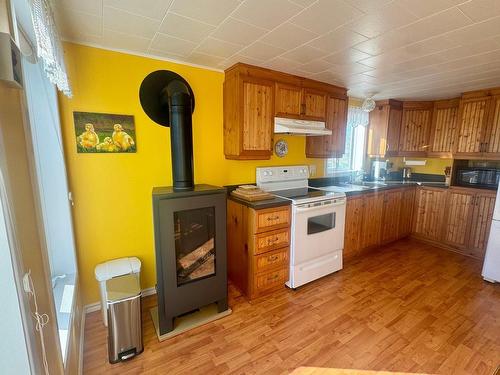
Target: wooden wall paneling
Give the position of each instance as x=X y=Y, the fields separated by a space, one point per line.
x=482 y=215
x=473 y=117
x=406 y=214
x=372 y=213
x=336 y=120
x=415 y=128
x=458 y=218
x=444 y=127
x=288 y=100
x=353 y=226
x=391 y=215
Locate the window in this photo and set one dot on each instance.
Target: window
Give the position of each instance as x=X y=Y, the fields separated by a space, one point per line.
x=355 y=144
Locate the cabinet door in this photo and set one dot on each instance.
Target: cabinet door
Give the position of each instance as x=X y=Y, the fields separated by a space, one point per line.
x=390 y=221
x=372 y=212
x=336 y=120
x=394 y=131
x=288 y=100
x=458 y=216
x=492 y=136
x=377 y=131
x=314 y=104
x=353 y=226
x=444 y=127
x=406 y=214
x=415 y=130
x=473 y=116
x=257 y=118
x=482 y=214
x=429 y=213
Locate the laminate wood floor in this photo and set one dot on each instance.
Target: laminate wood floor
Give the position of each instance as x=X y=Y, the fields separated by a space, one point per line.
x=405 y=307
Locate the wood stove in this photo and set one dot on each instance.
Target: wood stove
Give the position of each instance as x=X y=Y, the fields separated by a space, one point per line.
x=190 y=242
x=189 y=219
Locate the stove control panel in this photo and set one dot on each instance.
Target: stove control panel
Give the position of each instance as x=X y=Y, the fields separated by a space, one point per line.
x=284 y=173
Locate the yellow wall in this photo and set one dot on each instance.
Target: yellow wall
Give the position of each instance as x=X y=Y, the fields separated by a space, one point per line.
x=433 y=166
x=112 y=193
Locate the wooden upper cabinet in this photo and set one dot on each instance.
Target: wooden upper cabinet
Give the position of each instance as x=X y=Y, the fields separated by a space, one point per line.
x=415 y=128
x=384 y=129
x=473 y=118
x=492 y=134
x=444 y=127
x=314 y=104
x=288 y=100
x=336 y=120
x=248 y=117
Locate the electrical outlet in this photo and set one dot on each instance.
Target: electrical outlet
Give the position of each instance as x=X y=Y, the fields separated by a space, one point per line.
x=312 y=170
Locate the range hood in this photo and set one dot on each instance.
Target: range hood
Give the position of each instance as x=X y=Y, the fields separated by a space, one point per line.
x=300 y=127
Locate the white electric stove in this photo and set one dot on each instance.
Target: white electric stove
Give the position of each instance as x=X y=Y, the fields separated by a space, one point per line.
x=318 y=219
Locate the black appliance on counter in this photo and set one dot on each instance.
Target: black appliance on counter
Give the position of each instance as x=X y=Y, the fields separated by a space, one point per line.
x=189 y=219
x=476 y=174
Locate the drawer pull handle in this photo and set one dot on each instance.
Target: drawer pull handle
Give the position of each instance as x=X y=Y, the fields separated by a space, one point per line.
x=272 y=218
x=273 y=258
x=272 y=278
x=271 y=241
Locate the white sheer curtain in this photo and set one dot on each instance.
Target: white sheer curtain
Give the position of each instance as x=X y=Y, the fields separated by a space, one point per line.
x=48 y=45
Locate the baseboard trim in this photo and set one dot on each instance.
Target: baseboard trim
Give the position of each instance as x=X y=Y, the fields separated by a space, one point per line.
x=96 y=306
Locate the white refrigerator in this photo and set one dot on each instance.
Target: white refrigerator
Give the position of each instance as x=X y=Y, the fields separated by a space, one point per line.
x=491 y=266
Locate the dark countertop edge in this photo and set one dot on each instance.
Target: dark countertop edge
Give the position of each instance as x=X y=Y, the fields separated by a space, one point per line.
x=393 y=186
x=257 y=205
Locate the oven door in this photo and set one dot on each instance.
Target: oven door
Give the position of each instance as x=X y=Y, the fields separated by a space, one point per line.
x=317 y=229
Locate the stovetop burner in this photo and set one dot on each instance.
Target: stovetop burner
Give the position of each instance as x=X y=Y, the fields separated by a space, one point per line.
x=307 y=194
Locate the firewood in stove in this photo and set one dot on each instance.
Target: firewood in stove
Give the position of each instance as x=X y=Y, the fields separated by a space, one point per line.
x=207 y=268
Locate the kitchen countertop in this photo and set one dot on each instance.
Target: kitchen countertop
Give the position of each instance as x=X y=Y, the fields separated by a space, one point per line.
x=257 y=205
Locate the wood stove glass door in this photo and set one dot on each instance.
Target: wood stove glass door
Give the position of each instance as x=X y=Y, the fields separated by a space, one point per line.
x=194 y=244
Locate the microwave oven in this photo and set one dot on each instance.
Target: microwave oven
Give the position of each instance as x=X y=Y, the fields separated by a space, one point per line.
x=484 y=178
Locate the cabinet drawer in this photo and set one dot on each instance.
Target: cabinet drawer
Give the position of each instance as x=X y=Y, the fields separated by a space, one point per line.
x=270 y=219
x=271 y=260
x=267 y=241
x=269 y=280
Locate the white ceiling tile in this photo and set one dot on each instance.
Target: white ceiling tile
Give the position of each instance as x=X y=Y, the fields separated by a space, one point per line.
x=126 y=42
x=288 y=36
x=72 y=24
x=185 y=28
x=276 y=12
x=328 y=77
x=303 y=3
x=128 y=23
x=155 y=9
x=352 y=68
x=262 y=51
x=368 y=5
x=477 y=31
x=281 y=64
x=480 y=10
x=168 y=55
x=217 y=47
x=204 y=59
x=337 y=40
x=304 y=54
x=171 y=45
x=235 y=31
x=468 y=49
x=315 y=66
x=93 y=7
x=325 y=15
x=209 y=11
x=384 y=19
x=346 y=56
x=427 y=7
x=236 y=59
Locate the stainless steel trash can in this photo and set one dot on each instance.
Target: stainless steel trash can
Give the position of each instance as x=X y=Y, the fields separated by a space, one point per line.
x=124 y=317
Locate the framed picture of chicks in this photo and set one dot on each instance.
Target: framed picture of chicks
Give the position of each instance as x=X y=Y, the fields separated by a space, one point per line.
x=104 y=133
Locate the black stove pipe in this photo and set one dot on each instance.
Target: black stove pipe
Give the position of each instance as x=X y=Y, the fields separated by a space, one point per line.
x=169 y=101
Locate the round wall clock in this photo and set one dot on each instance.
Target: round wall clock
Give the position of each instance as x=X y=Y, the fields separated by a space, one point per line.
x=281 y=148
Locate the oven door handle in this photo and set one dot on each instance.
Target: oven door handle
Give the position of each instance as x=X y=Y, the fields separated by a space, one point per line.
x=330 y=204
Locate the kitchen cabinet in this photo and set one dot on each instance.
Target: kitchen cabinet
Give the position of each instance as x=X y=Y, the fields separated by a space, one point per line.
x=391 y=216
x=258 y=245
x=473 y=118
x=492 y=134
x=415 y=128
x=384 y=129
x=248 y=117
x=443 y=128
x=353 y=225
x=253 y=96
x=429 y=212
x=373 y=205
x=482 y=215
x=406 y=212
x=333 y=145
x=458 y=218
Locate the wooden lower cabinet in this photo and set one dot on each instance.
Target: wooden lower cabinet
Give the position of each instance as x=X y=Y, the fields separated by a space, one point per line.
x=258 y=245
x=429 y=212
x=392 y=212
x=353 y=224
x=458 y=218
x=406 y=212
x=373 y=208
